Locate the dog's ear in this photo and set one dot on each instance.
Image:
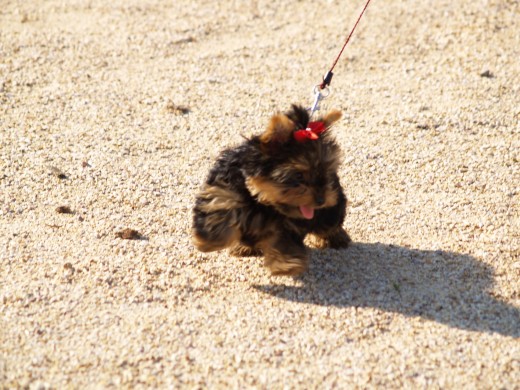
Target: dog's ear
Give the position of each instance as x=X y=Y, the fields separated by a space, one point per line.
x=331 y=117
x=278 y=132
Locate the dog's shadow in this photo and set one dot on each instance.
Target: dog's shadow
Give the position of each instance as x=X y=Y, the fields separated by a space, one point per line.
x=447 y=287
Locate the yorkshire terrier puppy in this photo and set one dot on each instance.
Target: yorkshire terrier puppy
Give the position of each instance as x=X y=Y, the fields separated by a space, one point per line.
x=266 y=195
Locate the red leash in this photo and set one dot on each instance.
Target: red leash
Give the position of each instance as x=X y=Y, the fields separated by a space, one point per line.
x=328 y=77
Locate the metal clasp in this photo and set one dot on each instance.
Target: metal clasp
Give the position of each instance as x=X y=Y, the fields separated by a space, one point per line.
x=319 y=95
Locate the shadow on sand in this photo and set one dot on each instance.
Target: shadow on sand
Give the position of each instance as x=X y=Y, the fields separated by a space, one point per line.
x=446 y=287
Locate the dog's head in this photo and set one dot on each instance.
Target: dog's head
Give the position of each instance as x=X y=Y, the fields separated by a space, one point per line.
x=299 y=162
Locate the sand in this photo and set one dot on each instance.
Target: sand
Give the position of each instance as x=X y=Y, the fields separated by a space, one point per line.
x=111 y=114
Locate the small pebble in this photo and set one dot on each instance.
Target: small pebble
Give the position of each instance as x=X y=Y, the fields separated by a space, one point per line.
x=128 y=234
x=64 y=210
x=487 y=74
x=57 y=172
x=176 y=109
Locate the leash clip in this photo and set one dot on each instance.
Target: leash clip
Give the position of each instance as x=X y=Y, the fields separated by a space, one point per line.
x=319 y=94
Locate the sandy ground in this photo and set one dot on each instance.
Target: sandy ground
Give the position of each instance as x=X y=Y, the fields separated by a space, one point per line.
x=117 y=109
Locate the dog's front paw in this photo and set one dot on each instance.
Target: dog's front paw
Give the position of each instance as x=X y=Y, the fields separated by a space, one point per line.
x=244 y=251
x=290 y=263
x=338 y=239
x=287 y=267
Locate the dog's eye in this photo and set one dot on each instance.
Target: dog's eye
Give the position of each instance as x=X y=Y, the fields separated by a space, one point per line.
x=297 y=179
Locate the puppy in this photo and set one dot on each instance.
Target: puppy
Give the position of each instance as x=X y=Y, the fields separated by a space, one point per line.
x=266 y=195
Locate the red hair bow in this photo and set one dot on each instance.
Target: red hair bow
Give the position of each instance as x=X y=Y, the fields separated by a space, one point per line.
x=312 y=132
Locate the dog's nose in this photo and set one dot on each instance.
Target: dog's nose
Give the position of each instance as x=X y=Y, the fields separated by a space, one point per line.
x=319 y=200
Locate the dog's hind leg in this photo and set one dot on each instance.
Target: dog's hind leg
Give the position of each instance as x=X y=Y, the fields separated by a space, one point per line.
x=215 y=219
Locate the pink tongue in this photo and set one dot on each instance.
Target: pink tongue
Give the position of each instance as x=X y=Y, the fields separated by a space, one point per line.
x=307 y=212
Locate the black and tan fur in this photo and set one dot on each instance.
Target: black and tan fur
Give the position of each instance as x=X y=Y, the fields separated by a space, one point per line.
x=254 y=195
